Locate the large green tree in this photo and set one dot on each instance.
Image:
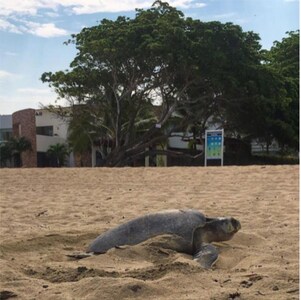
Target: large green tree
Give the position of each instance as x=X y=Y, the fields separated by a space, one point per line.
x=121 y=68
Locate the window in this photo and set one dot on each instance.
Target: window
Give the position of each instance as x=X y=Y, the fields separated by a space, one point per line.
x=45 y=130
x=5 y=134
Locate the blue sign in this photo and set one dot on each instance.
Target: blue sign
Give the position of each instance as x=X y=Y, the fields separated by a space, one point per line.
x=214 y=145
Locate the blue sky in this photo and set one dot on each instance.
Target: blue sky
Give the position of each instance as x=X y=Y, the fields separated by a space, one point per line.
x=32 y=33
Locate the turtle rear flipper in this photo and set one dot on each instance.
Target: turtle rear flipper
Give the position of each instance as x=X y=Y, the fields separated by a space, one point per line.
x=206 y=256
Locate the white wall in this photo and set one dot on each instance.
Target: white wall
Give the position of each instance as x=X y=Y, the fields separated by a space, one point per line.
x=257 y=146
x=60 y=130
x=45 y=118
x=176 y=140
x=44 y=141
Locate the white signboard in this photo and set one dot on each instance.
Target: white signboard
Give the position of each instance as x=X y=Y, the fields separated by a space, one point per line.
x=214 y=145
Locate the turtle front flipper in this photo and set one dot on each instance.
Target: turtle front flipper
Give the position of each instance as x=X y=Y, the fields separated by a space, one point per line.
x=206 y=256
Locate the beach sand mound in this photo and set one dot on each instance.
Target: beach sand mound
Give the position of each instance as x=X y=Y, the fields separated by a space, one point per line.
x=47 y=214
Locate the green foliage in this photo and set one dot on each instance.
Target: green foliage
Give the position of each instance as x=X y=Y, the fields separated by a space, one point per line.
x=17 y=146
x=283 y=60
x=118 y=66
x=5 y=154
x=81 y=130
x=59 y=153
x=268 y=106
x=12 y=150
x=225 y=59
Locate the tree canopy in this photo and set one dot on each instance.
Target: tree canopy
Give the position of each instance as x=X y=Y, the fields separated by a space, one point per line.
x=135 y=81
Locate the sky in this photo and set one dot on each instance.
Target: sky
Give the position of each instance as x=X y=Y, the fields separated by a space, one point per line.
x=33 y=32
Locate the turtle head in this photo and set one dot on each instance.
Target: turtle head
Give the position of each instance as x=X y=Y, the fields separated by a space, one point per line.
x=228 y=226
x=221 y=229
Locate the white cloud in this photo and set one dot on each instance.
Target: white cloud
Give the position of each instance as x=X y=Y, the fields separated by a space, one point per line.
x=4 y=75
x=26 y=98
x=93 y=6
x=15 y=13
x=219 y=17
x=10 y=104
x=34 y=91
x=44 y=30
x=28 y=7
x=200 y=5
x=9 y=53
x=224 y=16
x=241 y=21
x=7 y=26
x=52 y=14
x=31 y=7
x=33 y=96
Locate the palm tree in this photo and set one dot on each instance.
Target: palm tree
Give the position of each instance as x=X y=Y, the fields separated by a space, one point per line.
x=18 y=145
x=5 y=154
x=59 y=152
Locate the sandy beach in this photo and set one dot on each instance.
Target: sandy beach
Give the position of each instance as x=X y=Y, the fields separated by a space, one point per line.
x=47 y=214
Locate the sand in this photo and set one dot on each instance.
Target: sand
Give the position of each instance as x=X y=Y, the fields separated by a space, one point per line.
x=47 y=214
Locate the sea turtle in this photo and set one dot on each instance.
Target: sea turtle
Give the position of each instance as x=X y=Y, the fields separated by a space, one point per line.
x=190 y=230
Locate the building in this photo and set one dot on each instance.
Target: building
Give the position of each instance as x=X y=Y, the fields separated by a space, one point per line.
x=43 y=129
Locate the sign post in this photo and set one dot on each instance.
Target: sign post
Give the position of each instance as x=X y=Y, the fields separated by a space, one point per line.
x=214 y=145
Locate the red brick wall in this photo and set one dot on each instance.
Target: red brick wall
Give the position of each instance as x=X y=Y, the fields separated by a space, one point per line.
x=24 y=124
